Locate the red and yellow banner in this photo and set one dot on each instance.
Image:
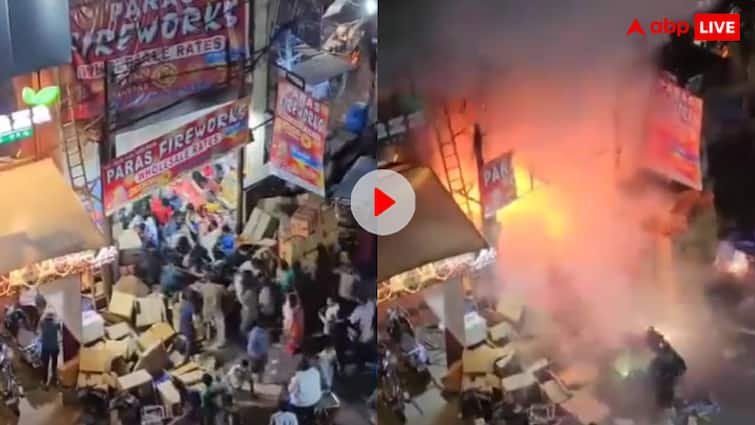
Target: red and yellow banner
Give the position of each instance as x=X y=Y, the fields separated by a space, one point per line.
x=497 y=184
x=674 y=128
x=299 y=134
x=159 y=50
x=157 y=162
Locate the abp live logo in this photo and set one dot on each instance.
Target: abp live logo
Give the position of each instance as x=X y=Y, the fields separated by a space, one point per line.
x=708 y=27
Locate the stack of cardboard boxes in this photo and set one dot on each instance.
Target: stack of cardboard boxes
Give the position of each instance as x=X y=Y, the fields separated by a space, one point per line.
x=501 y=362
x=135 y=351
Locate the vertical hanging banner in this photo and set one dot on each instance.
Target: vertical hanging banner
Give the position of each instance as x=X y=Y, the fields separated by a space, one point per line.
x=674 y=128
x=497 y=184
x=160 y=50
x=298 y=146
x=159 y=161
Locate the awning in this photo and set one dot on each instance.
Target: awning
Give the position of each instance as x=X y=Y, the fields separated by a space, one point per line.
x=42 y=217
x=438 y=230
x=362 y=166
x=321 y=67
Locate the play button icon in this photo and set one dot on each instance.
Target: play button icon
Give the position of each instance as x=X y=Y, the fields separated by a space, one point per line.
x=383 y=202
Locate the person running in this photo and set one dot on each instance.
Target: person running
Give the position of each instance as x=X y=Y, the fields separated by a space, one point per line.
x=258 y=348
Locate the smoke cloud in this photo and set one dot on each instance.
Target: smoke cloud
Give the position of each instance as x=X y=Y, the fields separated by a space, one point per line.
x=561 y=85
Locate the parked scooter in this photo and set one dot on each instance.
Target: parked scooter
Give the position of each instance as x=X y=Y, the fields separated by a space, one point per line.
x=10 y=390
x=401 y=331
x=129 y=407
x=390 y=390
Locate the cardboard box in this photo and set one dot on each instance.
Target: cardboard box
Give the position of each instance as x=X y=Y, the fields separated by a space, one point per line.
x=68 y=373
x=191 y=378
x=483 y=358
x=188 y=367
x=121 y=305
x=92 y=327
x=150 y=310
x=95 y=359
x=154 y=359
x=119 y=330
x=159 y=332
x=260 y=225
x=93 y=380
x=134 y=380
x=118 y=349
x=170 y=397
x=304 y=221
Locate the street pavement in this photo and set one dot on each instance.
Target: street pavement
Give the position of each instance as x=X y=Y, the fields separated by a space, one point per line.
x=717 y=364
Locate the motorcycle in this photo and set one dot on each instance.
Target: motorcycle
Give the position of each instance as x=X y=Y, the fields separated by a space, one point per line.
x=18 y=318
x=129 y=408
x=401 y=331
x=390 y=391
x=10 y=390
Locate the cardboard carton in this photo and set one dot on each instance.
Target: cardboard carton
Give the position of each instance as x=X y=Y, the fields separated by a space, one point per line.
x=154 y=359
x=482 y=359
x=150 y=310
x=191 y=378
x=304 y=221
x=118 y=330
x=159 y=332
x=68 y=373
x=121 y=305
x=170 y=397
x=188 y=367
x=95 y=359
x=260 y=225
x=134 y=380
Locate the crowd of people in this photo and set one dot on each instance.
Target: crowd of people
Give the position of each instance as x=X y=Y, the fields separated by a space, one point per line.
x=232 y=292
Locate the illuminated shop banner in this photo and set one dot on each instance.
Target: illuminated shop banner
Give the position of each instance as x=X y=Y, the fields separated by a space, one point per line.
x=19 y=125
x=162 y=49
x=497 y=184
x=674 y=128
x=299 y=133
x=159 y=161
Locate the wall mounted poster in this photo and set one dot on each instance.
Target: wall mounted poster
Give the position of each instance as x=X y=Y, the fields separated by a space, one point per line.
x=159 y=161
x=674 y=132
x=158 y=50
x=299 y=133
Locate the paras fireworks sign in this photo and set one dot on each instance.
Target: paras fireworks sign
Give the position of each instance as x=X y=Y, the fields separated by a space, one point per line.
x=497 y=184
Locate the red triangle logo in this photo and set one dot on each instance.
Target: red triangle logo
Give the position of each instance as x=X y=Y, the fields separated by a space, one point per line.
x=635 y=27
x=382 y=202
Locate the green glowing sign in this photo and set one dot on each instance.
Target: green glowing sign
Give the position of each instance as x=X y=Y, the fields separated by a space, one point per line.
x=16 y=136
x=44 y=97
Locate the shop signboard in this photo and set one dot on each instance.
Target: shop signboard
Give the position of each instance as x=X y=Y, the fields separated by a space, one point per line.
x=19 y=125
x=159 y=161
x=298 y=146
x=674 y=131
x=158 y=50
x=497 y=184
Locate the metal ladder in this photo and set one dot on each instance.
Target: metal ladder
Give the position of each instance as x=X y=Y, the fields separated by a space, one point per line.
x=449 y=155
x=72 y=148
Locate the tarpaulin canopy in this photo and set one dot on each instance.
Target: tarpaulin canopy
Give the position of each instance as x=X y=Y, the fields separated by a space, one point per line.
x=438 y=230
x=42 y=217
x=321 y=67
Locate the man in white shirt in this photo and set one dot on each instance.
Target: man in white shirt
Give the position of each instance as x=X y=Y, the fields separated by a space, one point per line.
x=329 y=316
x=363 y=318
x=305 y=391
x=283 y=416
